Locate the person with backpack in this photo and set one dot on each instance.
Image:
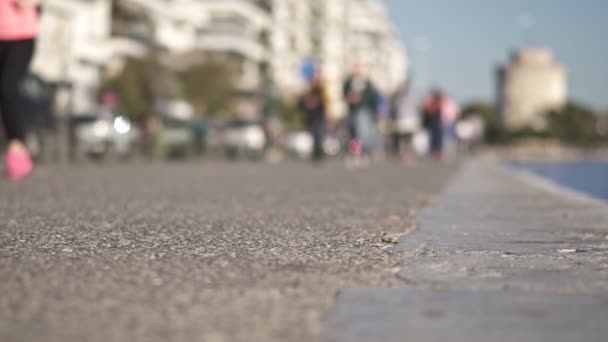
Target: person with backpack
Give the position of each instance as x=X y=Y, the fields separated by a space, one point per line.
x=363 y=103
x=19 y=24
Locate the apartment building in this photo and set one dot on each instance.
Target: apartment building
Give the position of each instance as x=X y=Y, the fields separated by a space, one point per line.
x=289 y=43
x=74 y=46
x=346 y=32
x=232 y=30
x=373 y=42
x=264 y=39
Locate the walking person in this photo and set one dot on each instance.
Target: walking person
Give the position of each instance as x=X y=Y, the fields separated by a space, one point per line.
x=19 y=21
x=314 y=105
x=363 y=102
x=450 y=113
x=433 y=122
x=405 y=123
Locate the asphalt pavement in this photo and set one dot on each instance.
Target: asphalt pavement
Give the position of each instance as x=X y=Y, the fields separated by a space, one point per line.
x=501 y=256
x=199 y=252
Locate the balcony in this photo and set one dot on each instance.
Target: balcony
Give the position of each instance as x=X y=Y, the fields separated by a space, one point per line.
x=237 y=27
x=228 y=42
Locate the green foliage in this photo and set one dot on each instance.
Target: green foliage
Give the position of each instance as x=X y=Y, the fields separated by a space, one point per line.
x=143 y=81
x=129 y=86
x=140 y=84
x=209 y=84
x=575 y=124
x=289 y=113
x=494 y=130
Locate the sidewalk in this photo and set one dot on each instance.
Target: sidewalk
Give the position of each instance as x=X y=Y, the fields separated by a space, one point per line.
x=499 y=258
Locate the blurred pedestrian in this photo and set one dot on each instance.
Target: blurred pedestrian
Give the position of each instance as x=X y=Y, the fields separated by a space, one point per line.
x=450 y=113
x=471 y=131
x=405 y=120
x=19 y=21
x=433 y=111
x=314 y=105
x=363 y=104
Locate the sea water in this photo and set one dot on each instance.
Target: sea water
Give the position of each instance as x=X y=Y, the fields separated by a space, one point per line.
x=589 y=177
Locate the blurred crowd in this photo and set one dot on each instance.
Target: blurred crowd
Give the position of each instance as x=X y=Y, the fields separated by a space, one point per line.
x=402 y=124
x=375 y=125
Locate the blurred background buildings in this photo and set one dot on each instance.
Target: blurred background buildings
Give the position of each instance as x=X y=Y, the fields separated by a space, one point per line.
x=267 y=41
x=186 y=72
x=532 y=85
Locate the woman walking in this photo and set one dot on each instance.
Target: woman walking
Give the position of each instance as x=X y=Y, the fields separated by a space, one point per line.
x=19 y=21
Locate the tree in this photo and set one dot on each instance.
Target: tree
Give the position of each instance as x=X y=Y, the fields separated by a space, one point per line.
x=289 y=113
x=140 y=84
x=209 y=84
x=494 y=130
x=576 y=124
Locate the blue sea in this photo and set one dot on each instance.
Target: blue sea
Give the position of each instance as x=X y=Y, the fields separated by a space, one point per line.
x=589 y=177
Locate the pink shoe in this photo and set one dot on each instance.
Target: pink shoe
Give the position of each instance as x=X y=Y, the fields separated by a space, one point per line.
x=18 y=165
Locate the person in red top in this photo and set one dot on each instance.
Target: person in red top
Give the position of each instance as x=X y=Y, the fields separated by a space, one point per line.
x=19 y=24
x=433 y=112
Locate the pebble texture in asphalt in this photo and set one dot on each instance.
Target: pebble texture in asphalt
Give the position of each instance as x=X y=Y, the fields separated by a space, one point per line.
x=197 y=252
x=499 y=258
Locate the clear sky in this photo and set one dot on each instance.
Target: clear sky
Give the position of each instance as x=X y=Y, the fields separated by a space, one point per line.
x=457 y=44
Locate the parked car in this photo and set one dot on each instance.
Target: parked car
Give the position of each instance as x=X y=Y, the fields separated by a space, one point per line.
x=181 y=133
x=244 y=138
x=300 y=144
x=179 y=138
x=103 y=136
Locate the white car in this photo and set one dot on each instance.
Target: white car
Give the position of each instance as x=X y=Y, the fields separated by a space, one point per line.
x=301 y=143
x=103 y=136
x=244 y=138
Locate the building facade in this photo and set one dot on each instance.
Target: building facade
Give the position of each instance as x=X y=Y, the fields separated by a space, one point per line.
x=289 y=44
x=267 y=40
x=373 y=42
x=530 y=86
x=349 y=32
x=232 y=30
x=73 y=48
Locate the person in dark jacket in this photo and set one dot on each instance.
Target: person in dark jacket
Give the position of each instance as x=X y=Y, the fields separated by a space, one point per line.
x=314 y=105
x=363 y=102
x=433 y=112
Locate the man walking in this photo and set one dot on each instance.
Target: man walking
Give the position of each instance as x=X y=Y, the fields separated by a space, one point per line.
x=362 y=101
x=314 y=105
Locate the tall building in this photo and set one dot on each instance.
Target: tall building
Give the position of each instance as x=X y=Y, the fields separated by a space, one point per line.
x=529 y=87
x=346 y=32
x=233 y=30
x=266 y=40
x=74 y=46
x=289 y=43
x=372 y=41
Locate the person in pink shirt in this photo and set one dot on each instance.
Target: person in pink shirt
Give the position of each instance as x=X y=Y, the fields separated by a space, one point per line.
x=19 y=23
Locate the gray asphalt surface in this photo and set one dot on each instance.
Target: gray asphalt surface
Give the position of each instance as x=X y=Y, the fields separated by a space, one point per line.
x=197 y=252
x=501 y=257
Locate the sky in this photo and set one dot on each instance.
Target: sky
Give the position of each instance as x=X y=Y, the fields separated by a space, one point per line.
x=457 y=44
